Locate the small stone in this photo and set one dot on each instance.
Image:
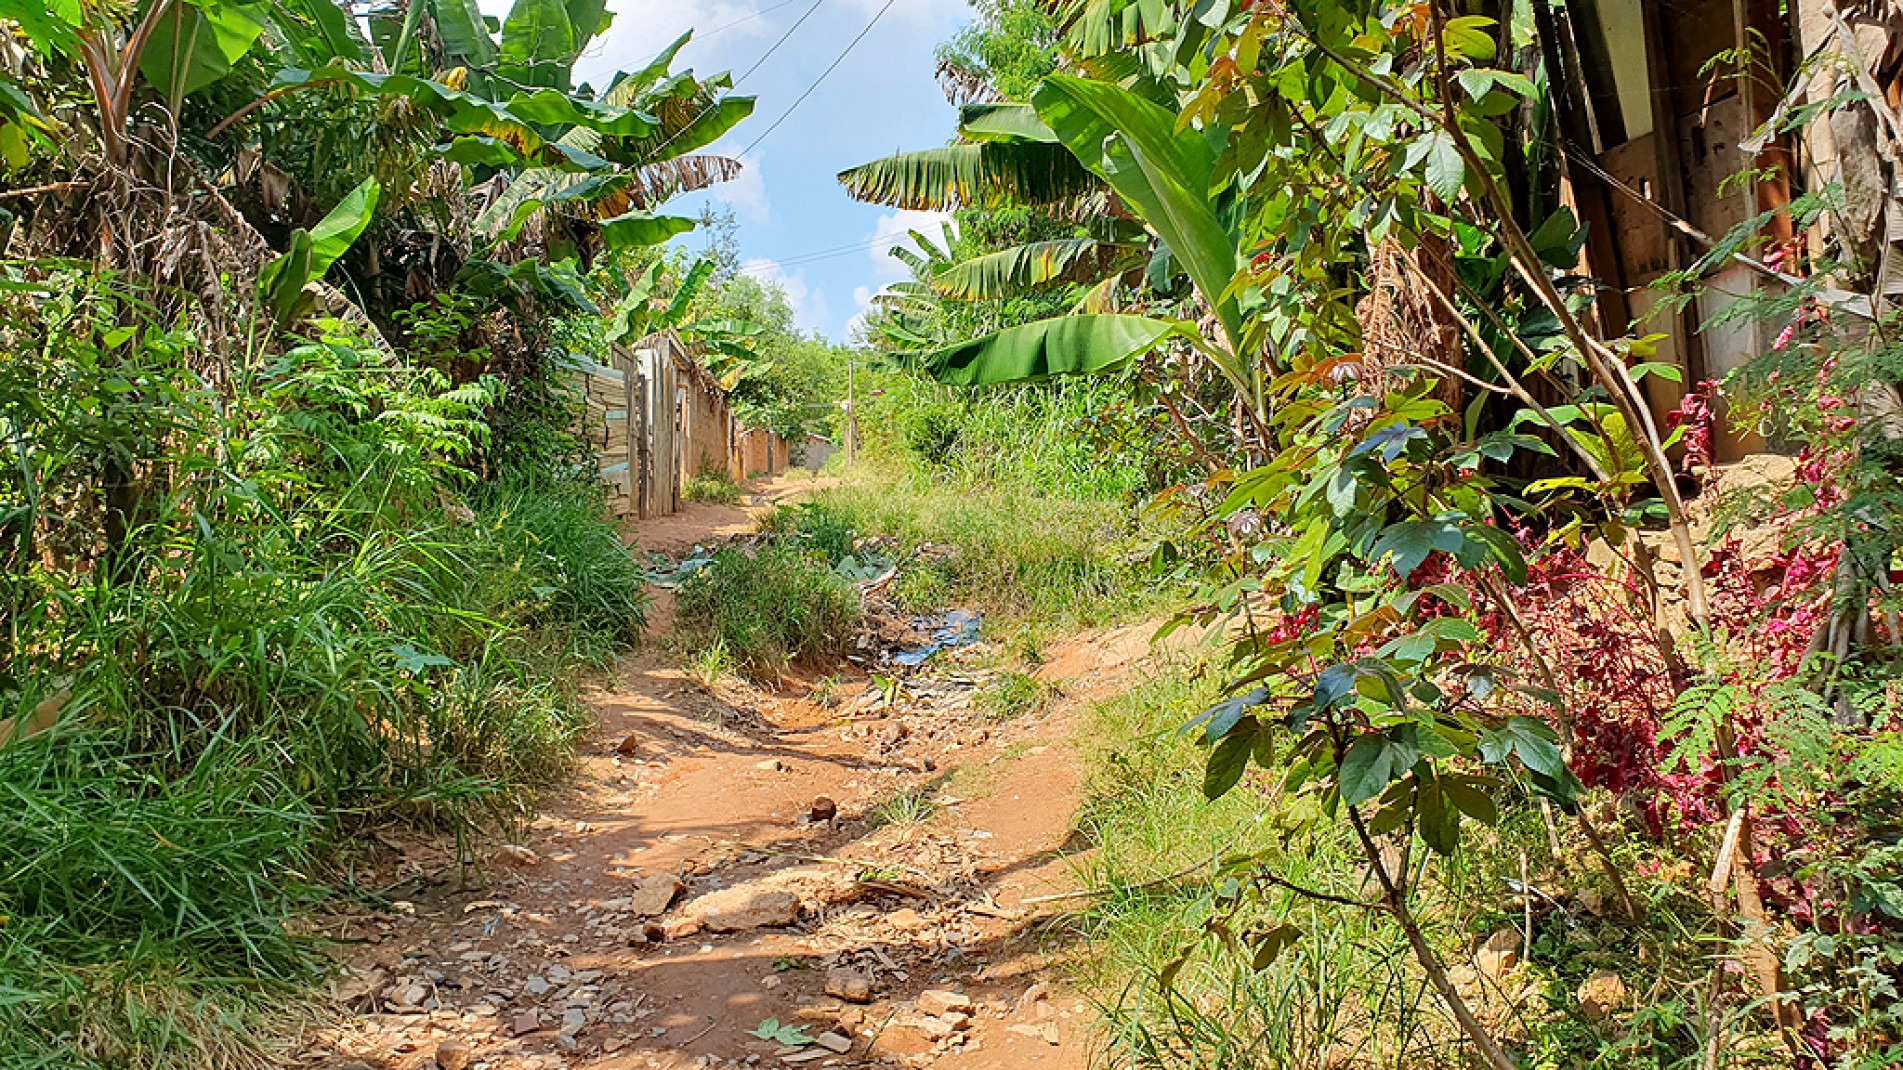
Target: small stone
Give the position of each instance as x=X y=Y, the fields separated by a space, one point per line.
x=1499 y=954
x=933 y=1028
x=849 y=985
x=655 y=895
x=770 y=982
x=574 y=1020
x=938 y=1002
x=525 y=1022
x=1601 y=994
x=408 y=997
x=1047 y=1032
x=771 y=765
x=680 y=928
x=737 y=909
x=905 y=919
x=452 y=1054
x=834 y=1043
x=630 y=744
x=537 y=987
x=822 y=810
x=510 y=854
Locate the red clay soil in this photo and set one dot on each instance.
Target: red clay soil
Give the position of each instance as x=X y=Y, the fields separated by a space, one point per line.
x=550 y=963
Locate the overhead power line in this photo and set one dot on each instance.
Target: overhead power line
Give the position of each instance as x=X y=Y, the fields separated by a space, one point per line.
x=774 y=47
x=841 y=58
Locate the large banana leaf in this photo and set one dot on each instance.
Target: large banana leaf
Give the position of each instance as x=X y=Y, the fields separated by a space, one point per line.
x=1003 y=121
x=982 y=175
x=1068 y=345
x=281 y=283
x=1012 y=271
x=466 y=39
x=1134 y=145
x=538 y=45
x=320 y=31
x=637 y=229
x=192 y=46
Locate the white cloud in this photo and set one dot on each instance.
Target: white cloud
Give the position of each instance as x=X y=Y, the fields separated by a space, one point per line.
x=916 y=12
x=893 y=230
x=809 y=306
x=747 y=194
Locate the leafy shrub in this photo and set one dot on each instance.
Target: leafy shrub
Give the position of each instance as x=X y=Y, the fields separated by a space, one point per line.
x=825 y=532
x=1014 y=694
x=768 y=607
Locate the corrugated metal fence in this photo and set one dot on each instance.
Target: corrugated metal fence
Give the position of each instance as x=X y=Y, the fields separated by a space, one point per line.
x=656 y=419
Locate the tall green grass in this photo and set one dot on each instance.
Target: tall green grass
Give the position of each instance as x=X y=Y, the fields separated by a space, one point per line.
x=300 y=617
x=1172 y=990
x=767 y=608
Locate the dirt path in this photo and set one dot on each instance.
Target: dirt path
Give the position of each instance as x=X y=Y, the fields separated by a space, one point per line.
x=774 y=816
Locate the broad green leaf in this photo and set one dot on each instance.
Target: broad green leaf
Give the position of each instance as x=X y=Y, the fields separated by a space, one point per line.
x=639 y=229
x=333 y=235
x=538 y=45
x=1133 y=145
x=1470 y=798
x=1411 y=541
x=1010 y=272
x=1229 y=760
x=193 y=46
x=1003 y=122
x=1367 y=769
x=987 y=174
x=466 y=40
x=586 y=19
x=281 y=282
x=1445 y=169
x=1436 y=820
x=1068 y=345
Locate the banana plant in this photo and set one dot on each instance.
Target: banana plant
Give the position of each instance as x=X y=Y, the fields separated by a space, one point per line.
x=284 y=285
x=727 y=346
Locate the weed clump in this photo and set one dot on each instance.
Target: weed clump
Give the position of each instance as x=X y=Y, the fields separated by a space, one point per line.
x=768 y=607
x=713 y=487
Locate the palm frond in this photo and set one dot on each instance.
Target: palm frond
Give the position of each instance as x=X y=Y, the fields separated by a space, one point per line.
x=962 y=85
x=1012 y=271
x=971 y=176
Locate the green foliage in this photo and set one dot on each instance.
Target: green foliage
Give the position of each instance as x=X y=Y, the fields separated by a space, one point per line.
x=1015 y=694
x=134 y=884
x=768 y=607
x=714 y=487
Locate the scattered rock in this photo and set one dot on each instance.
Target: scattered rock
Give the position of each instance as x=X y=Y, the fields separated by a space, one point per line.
x=740 y=908
x=574 y=1020
x=452 y=1054
x=933 y=1028
x=1601 y=994
x=771 y=765
x=510 y=854
x=680 y=928
x=905 y=919
x=629 y=745
x=770 y=982
x=1033 y=996
x=406 y=997
x=937 y=1002
x=537 y=987
x=655 y=895
x=849 y=985
x=834 y=1043
x=823 y=810
x=525 y=1022
x=1047 y=1032
x=1499 y=954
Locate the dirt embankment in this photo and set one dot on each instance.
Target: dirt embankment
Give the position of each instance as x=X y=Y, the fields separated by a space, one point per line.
x=860 y=868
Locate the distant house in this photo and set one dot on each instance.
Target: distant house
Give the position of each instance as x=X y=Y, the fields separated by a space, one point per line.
x=1656 y=121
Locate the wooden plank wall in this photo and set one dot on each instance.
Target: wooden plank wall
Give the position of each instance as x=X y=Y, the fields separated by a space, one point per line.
x=655 y=419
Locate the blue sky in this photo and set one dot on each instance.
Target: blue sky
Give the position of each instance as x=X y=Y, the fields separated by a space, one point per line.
x=797 y=227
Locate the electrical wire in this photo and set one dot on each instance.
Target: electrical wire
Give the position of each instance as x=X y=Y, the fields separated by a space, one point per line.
x=708 y=110
x=841 y=58
x=746 y=19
